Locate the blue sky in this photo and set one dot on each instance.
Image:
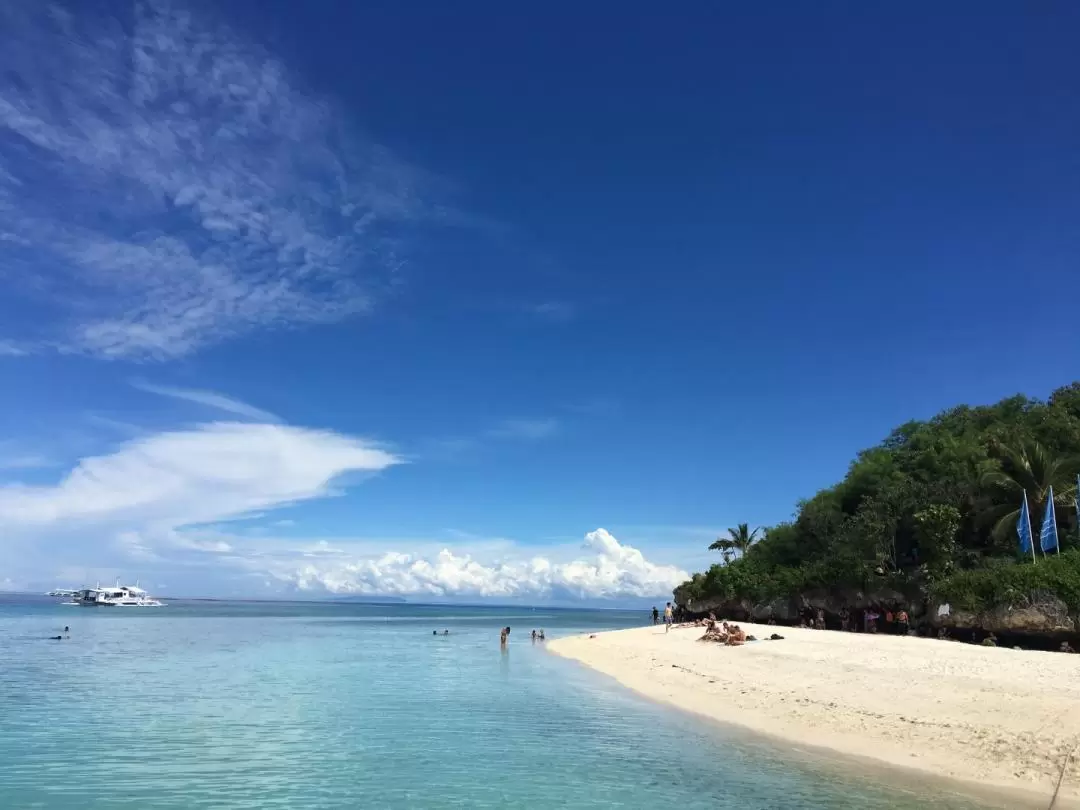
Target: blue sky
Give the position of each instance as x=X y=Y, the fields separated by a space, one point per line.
x=360 y=298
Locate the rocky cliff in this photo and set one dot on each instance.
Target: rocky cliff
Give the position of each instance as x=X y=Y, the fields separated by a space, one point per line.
x=1044 y=617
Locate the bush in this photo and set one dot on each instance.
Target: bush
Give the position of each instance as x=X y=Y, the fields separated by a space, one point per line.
x=1009 y=582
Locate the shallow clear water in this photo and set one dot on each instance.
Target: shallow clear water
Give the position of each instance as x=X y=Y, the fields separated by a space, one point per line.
x=273 y=705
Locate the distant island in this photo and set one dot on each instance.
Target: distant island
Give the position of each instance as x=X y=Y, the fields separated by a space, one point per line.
x=926 y=523
x=369 y=600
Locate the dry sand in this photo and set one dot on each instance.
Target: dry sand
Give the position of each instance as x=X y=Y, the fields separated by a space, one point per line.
x=998 y=719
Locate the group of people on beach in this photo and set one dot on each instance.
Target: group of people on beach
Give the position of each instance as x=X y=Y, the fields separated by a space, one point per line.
x=724 y=633
x=871 y=620
x=669 y=616
x=504 y=635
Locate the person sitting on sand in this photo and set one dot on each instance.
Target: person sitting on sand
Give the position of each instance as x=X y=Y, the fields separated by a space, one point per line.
x=714 y=632
x=736 y=636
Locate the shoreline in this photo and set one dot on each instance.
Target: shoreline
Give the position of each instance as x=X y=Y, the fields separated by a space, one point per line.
x=996 y=724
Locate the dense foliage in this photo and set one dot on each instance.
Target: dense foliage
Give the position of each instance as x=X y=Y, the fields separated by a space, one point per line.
x=934 y=505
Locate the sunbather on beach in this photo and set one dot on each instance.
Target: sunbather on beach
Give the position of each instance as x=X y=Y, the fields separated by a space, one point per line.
x=736 y=637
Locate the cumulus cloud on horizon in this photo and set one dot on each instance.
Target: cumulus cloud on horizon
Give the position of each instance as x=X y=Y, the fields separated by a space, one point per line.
x=611 y=570
x=167 y=185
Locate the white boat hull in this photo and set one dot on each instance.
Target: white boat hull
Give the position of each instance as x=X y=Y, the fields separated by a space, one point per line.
x=119 y=596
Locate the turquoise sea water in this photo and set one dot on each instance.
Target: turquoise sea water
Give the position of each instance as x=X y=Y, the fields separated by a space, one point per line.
x=294 y=705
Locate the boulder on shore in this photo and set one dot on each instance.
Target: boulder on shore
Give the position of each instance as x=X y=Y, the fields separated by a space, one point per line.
x=1045 y=616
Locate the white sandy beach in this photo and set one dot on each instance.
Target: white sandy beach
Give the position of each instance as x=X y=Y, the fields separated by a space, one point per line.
x=991 y=717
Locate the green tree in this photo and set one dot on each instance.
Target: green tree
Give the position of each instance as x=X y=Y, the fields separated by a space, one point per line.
x=1028 y=467
x=937 y=528
x=924 y=504
x=738 y=541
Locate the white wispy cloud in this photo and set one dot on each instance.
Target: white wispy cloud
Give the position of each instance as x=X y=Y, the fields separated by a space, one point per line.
x=168 y=186
x=529 y=429
x=210 y=399
x=27 y=461
x=214 y=472
x=554 y=311
x=9 y=348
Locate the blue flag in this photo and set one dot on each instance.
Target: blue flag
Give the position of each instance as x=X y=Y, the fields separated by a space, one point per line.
x=1023 y=528
x=1048 y=540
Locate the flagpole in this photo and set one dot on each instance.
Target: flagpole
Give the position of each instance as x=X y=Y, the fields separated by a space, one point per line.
x=1057 y=540
x=1048 y=531
x=1027 y=515
x=1076 y=502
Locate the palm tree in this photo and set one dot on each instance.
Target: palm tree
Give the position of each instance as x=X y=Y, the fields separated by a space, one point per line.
x=738 y=541
x=1028 y=467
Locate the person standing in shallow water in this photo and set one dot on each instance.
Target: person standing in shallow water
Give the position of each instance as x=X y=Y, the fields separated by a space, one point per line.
x=655 y=615
x=503 y=636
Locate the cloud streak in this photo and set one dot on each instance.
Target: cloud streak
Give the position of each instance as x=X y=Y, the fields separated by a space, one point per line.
x=554 y=311
x=214 y=472
x=526 y=429
x=24 y=462
x=173 y=187
x=210 y=399
x=9 y=348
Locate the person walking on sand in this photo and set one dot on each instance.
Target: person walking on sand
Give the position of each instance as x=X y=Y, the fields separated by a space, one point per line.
x=668 y=616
